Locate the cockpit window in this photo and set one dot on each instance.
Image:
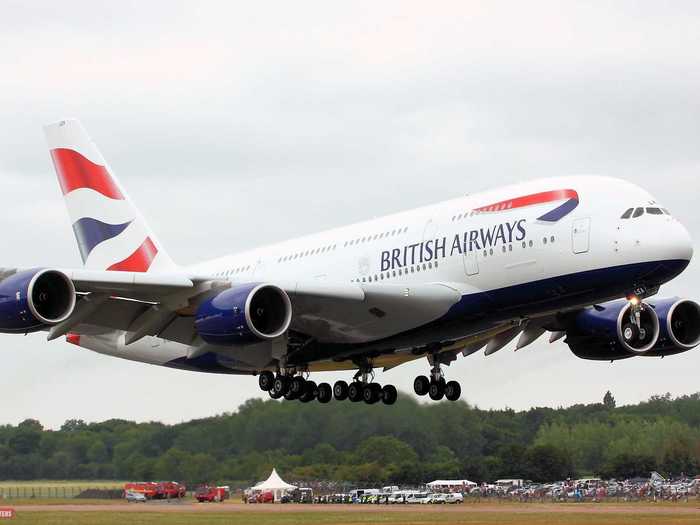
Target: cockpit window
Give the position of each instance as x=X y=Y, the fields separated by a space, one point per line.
x=654 y=211
x=627 y=214
x=638 y=212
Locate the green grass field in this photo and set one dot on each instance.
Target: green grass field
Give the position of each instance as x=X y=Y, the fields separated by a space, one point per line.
x=330 y=518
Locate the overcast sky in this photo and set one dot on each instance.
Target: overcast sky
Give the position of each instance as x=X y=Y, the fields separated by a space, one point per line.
x=235 y=125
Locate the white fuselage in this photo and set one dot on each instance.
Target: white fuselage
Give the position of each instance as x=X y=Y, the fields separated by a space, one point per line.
x=478 y=252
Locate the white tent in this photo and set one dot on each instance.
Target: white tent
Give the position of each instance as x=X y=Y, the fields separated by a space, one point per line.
x=450 y=483
x=275 y=484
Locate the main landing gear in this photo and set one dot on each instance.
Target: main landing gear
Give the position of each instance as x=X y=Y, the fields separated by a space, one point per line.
x=294 y=387
x=362 y=388
x=437 y=387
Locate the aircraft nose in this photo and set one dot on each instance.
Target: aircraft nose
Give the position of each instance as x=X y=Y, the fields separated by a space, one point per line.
x=679 y=243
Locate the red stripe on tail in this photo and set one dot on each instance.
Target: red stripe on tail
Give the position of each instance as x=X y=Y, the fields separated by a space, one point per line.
x=75 y=171
x=139 y=261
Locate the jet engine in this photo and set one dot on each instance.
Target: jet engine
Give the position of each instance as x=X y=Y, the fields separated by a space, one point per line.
x=613 y=330
x=244 y=314
x=680 y=325
x=33 y=299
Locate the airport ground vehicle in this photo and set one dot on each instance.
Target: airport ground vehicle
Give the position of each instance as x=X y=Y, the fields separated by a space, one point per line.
x=133 y=496
x=211 y=494
x=149 y=489
x=454 y=497
x=579 y=257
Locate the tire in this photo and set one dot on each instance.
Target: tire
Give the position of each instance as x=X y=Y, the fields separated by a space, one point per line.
x=280 y=386
x=389 y=394
x=305 y=398
x=274 y=395
x=453 y=390
x=265 y=380
x=340 y=390
x=325 y=393
x=371 y=393
x=355 y=392
x=421 y=385
x=297 y=386
x=311 y=389
x=436 y=391
x=291 y=395
x=629 y=332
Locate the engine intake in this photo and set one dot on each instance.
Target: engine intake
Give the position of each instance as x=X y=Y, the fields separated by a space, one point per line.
x=32 y=299
x=244 y=314
x=680 y=324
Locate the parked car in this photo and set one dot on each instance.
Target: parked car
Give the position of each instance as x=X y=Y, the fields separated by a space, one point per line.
x=454 y=497
x=133 y=496
x=438 y=499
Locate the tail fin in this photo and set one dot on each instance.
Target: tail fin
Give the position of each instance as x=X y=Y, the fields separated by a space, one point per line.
x=111 y=233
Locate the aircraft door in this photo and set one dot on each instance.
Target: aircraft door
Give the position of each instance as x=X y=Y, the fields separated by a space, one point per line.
x=580 y=235
x=471 y=264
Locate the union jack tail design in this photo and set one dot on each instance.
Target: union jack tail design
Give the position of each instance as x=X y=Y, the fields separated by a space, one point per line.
x=111 y=233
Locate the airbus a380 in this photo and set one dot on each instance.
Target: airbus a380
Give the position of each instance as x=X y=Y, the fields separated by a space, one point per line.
x=579 y=257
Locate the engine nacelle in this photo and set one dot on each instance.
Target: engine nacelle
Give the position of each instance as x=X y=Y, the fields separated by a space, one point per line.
x=606 y=332
x=680 y=325
x=33 y=299
x=244 y=314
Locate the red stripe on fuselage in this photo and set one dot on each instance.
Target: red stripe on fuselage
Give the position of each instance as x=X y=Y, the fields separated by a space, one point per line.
x=529 y=200
x=139 y=261
x=75 y=171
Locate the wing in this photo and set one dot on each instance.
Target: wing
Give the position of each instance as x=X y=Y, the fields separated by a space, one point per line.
x=164 y=304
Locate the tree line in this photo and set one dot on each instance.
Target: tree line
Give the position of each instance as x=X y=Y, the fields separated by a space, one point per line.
x=409 y=442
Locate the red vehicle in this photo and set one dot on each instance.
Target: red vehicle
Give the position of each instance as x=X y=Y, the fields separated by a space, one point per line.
x=265 y=497
x=210 y=494
x=147 y=488
x=170 y=490
x=162 y=490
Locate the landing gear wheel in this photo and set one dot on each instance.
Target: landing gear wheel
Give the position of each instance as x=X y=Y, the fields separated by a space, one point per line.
x=280 y=385
x=436 y=391
x=297 y=386
x=291 y=395
x=265 y=380
x=325 y=393
x=371 y=393
x=630 y=332
x=340 y=390
x=273 y=395
x=453 y=390
x=355 y=392
x=421 y=385
x=389 y=394
x=310 y=391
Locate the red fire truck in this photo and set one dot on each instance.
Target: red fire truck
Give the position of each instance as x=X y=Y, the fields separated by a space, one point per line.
x=210 y=494
x=161 y=490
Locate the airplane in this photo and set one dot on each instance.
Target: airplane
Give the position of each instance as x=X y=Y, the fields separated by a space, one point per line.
x=579 y=257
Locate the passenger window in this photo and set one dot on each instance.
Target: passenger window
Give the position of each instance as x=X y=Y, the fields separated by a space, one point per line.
x=654 y=211
x=627 y=214
x=637 y=212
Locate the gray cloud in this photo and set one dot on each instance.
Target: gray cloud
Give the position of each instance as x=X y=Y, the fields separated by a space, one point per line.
x=214 y=113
